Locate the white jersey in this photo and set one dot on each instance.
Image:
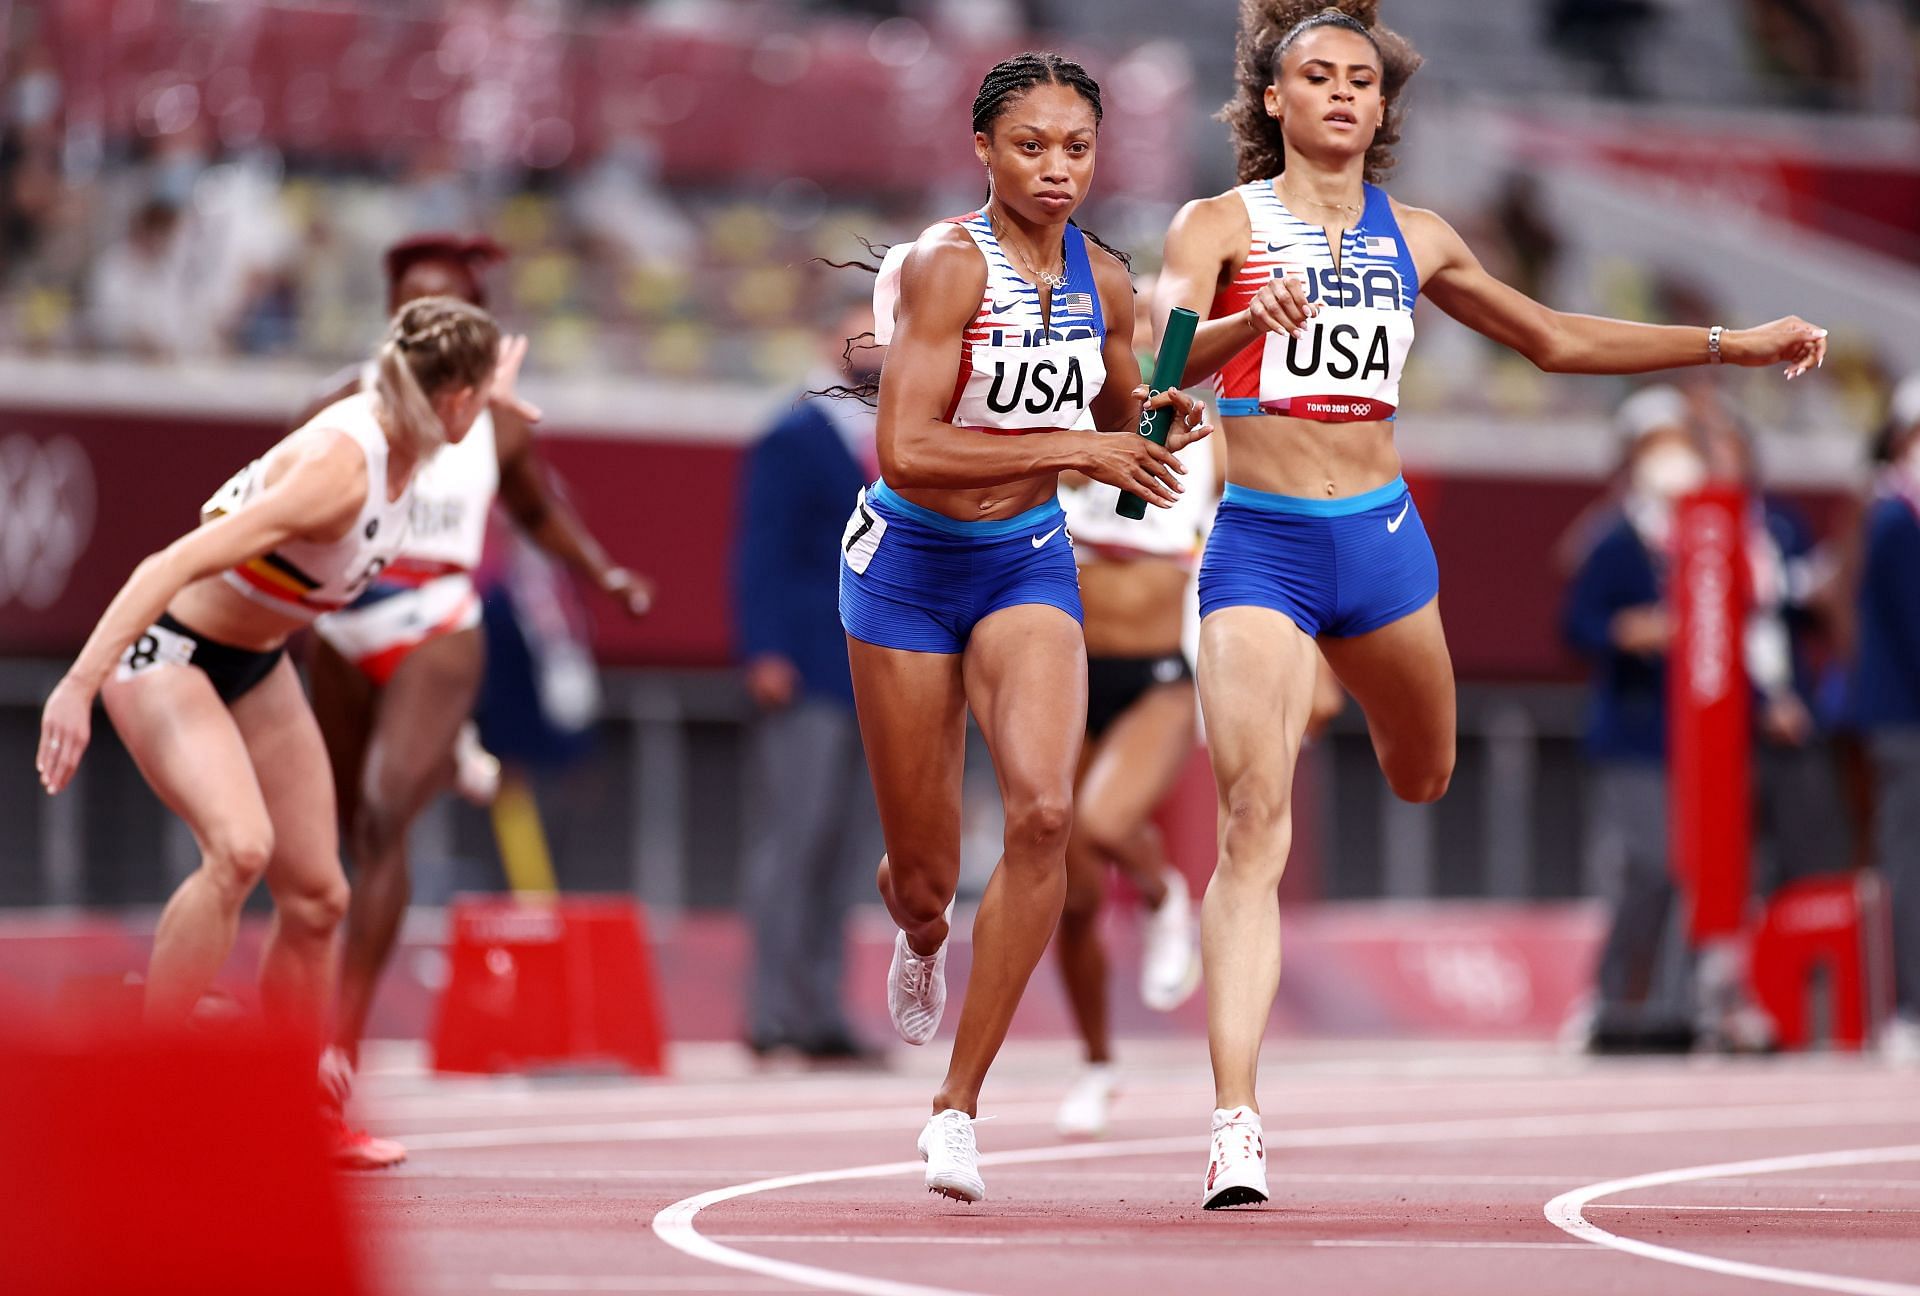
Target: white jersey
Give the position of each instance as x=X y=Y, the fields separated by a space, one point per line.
x=1101 y=534
x=1347 y=367
x=1016 y=373
x=452 y=497
x=304 y=578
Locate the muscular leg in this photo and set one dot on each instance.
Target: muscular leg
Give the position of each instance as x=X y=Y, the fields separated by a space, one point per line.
x=1026 y=679
x=417 y=715
x=343 y=701
x=1123 y=780
x=912 y=708
x=1256 y=689
x=1403 y=679
x=309 y=889
x=187 y=745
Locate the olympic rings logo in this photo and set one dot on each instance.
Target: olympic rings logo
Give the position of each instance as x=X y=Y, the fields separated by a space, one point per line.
x=46 y=517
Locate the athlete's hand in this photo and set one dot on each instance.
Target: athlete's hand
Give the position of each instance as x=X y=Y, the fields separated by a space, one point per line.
x=66 y=724
x=1791 y=341
x=1281 y=306
x=636 y=592
x=1133 y=463
x=1190 y=416
x=506 y=376
x=772 y=681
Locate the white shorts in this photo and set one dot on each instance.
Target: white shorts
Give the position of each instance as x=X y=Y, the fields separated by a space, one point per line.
x=388 y=622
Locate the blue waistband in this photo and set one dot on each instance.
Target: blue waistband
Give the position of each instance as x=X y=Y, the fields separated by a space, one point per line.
x=1268 y=502
x=1238 y=406
x=887 y=498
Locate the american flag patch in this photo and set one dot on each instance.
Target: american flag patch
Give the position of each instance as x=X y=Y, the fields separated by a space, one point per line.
x=1380 y=246
x=1076 y=303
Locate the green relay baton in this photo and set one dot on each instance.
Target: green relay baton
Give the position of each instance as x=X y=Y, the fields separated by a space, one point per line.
x=1169 y=367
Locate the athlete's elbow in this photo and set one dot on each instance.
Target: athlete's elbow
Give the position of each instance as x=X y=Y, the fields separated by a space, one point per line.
x=904 y=464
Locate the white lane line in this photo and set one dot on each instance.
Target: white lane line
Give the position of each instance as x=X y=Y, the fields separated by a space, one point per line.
x=707 y=1128
x=1413 y=1244
x=1106 y=1240
x=693 y=1173
x=626 y=1283
x=1566 y=1212
x=901 y=1239
x=674 y=1225
x=1770 y=1210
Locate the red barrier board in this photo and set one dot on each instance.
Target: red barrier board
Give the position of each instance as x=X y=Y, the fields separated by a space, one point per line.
x=548 y=983
x=1709 y=711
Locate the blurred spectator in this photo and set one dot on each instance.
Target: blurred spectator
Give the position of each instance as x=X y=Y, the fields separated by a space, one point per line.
x=1798 y=815
x=1616 y=618
x=1887 y=686
x=1810 y=48
x=141 y=297
x=804 y=866
x=1607 y=36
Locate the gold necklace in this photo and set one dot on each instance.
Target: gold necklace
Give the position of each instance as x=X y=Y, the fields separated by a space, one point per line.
x=1052 y=279
x=1292 y=198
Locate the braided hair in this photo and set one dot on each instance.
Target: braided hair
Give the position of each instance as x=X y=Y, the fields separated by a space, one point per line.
x=1004 y=82
x=1268 y=29
x=1012 y=77
x=431 y=344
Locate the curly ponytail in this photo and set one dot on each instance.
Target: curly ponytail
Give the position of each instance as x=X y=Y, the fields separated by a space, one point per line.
x=1268 y=28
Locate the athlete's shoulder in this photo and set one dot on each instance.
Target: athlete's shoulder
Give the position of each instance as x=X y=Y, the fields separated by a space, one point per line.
x=1220 y=223
x=1419 y=221
x=1109 y=271
x=944 y=268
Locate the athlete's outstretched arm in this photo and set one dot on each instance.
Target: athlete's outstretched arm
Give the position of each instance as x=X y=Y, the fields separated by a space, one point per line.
x=940 y=290
x=1204 y=244
x=547 y=518
x=1559 y=342
x=319 y=496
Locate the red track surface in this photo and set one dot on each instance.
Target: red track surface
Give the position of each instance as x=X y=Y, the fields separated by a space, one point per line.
x=1404 y=1168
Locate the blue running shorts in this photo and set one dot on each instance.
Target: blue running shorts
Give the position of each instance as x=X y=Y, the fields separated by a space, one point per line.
x=914 y=579
x=1336 y=567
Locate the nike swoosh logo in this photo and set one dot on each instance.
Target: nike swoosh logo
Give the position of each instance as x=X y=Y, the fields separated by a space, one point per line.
x=1278 y=247
x=998 y=309
x=1395 y=524
x=1040 y=540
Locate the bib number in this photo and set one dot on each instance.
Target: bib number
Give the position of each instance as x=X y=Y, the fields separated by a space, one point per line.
x=157 y=646
x=861 y=540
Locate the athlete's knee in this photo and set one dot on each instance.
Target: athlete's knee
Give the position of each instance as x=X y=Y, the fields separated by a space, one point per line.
x=1039 y=821
x=917 y=893
x=236 y=857
x=379 y=826
x=315 y=908
x=1256 y=811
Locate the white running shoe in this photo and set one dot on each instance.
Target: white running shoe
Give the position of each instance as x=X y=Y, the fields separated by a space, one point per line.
x=1237 y=1169
x=1900 y=1041
x=1083 y=1113
x=916 y=990
x=1170 y=966
x=952 y=1157
x=476 y=771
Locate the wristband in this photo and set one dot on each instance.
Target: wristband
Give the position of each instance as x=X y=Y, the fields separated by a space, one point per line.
x=1713 y=345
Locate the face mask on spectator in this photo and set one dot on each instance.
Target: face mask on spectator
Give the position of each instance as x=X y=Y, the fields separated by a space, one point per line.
x=1667 y=472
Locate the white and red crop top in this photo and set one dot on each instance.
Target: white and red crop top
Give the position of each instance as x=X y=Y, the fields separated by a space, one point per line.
x=304 y=578
x=452 y=500
x=1017 y=373
x=1179 y=533
x=1347 y=368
